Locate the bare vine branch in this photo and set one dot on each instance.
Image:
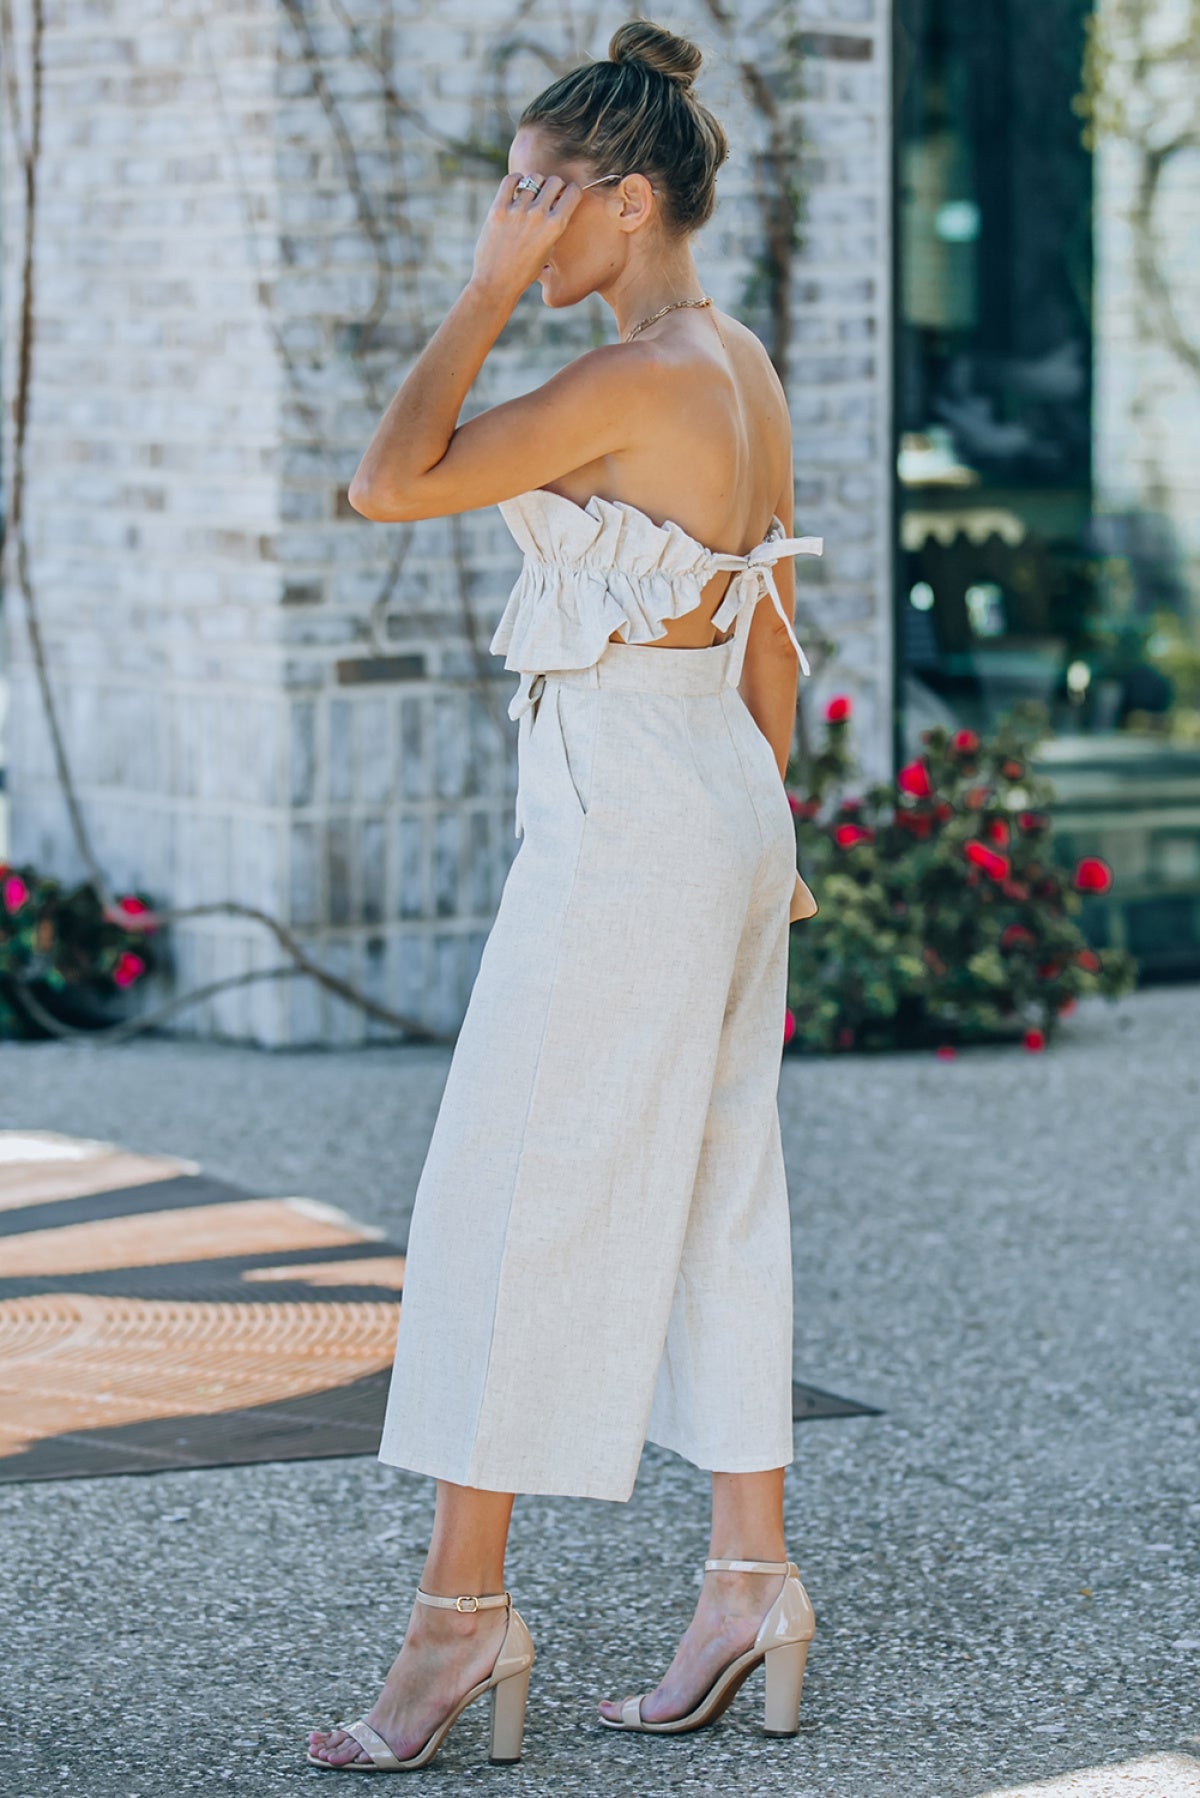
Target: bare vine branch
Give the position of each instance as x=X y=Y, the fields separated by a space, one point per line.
x=361 y=346
x=775 y=193
x=1148 y=252
x=1138 y=88
x=149 y=1020
x=14 y=525
x=345 y=143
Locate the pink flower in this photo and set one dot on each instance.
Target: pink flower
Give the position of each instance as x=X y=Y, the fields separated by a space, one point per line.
x=128 y=969
x=15 y=893
x=946 y=1052
x=1034 y=1040
x=847 y=835
x=987 y=859
x=789 y=1025
x=1093 y=875
x=838 y=709
x=914 y=779
x=965 y=741
x=132 y=914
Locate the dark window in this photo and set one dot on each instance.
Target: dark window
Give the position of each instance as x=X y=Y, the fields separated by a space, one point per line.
x=997 y=590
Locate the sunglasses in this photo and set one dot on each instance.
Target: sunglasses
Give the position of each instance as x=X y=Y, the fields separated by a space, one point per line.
x=601 y=179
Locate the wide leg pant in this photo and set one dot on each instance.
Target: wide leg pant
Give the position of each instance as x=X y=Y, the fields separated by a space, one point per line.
x=600 y=1248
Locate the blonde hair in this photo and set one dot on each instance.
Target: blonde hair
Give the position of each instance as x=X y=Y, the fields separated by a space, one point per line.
x=637 y=114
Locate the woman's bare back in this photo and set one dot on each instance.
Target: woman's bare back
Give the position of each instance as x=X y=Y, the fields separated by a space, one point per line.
x=716 y=459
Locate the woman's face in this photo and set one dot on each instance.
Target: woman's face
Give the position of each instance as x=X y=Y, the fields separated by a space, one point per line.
x=595 y=246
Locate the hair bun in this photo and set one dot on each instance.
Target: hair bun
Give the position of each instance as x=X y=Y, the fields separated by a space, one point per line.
x=675 y=57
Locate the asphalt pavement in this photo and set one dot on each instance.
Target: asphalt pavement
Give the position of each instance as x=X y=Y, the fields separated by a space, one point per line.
x=1000 y=1251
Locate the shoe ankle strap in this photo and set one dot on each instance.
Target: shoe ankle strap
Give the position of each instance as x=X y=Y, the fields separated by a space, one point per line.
x=746 y=1566
x=468 y=1603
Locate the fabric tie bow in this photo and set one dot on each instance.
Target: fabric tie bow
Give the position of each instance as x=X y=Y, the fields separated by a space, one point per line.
x=754 y=575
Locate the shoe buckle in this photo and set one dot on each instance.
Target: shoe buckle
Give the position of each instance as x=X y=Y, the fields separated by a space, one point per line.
x=466 y=1604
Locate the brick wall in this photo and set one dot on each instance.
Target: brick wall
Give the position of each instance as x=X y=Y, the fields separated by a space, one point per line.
x=250 y=221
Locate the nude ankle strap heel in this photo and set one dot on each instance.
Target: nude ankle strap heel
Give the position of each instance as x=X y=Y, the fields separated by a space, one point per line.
x=781 y=1645
x=784 y=1662
x=508 y=1684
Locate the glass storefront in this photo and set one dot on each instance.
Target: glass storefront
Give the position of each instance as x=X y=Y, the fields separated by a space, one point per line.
x=1014 y=578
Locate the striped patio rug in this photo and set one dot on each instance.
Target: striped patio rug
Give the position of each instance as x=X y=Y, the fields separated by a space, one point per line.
x=152 y=1317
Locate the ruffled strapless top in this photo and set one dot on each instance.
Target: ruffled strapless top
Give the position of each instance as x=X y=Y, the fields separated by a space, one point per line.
x=606 y=567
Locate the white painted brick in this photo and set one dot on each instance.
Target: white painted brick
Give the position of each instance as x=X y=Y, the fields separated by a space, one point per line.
x=183 y=482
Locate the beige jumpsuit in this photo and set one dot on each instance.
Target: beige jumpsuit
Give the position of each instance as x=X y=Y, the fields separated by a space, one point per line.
x=600 y=1249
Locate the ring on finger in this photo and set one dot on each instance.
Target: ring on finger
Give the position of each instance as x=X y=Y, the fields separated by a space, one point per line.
x=527 y=183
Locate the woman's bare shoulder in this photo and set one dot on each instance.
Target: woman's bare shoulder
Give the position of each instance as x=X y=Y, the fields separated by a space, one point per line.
x=674 y=368
x=752 y=356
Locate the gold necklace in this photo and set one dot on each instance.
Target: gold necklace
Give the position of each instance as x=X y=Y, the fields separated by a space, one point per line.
x=655 y=316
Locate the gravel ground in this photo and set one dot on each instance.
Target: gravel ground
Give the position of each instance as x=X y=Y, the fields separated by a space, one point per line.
x=999 y=1250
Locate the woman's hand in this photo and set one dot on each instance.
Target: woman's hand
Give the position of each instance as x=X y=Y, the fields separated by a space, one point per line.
x=521 y=229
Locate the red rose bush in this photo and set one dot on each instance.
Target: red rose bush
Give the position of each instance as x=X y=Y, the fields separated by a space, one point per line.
x=944 y=917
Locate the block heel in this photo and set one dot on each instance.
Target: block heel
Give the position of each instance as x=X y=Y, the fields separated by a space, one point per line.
x=508 y=1717
x=785 y=1680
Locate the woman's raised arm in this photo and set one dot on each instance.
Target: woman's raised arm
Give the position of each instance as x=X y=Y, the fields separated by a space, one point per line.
x=422 y=464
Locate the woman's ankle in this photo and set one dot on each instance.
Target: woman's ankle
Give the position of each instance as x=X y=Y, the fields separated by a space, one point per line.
x=458 y=1579
x=776 y=1553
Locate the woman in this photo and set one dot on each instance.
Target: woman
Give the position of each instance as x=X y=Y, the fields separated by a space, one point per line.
x=600 y=1246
